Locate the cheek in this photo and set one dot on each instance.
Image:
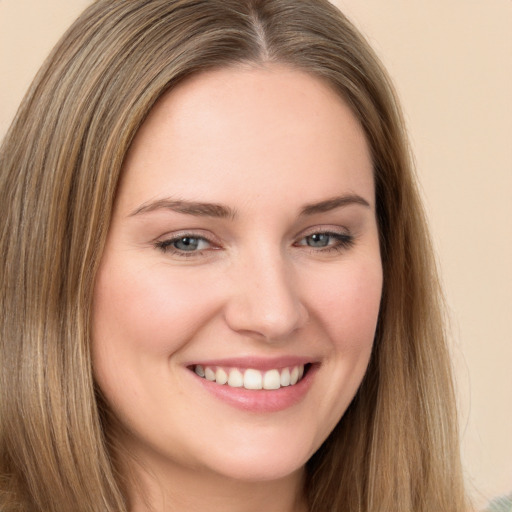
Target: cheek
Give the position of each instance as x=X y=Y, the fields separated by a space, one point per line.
x=348 y=306
x=142 y=316
x=145 y=309
x=345 y=307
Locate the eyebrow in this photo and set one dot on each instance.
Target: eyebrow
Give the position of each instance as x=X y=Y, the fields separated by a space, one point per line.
x=195 y=208
x=333 y=203
x=199 y=209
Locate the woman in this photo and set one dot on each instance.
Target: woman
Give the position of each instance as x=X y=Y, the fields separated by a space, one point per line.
x=218 y=287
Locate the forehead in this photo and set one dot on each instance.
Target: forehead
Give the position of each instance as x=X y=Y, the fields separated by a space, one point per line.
x=235 y=130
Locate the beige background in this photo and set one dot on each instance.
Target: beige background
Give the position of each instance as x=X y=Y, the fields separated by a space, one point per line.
x=452 y=64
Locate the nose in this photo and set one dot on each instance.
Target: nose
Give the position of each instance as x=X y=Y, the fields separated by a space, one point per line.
x=265 y=302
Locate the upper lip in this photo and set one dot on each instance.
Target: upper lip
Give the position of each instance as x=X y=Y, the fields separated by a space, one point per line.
x=257 y=363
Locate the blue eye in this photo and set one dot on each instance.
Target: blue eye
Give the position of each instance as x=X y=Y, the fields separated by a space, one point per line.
x=327 y=241
x=318 y=240
x=184 y=245
x=187 y=243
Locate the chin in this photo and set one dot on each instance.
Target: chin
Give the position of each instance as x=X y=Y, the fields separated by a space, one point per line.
x=252 y=461
x=251 y=471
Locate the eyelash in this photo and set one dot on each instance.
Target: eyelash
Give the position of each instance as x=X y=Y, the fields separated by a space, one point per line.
x=166 y=246
x=342 y=242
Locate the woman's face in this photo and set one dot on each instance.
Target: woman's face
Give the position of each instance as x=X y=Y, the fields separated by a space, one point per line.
x=243 y=247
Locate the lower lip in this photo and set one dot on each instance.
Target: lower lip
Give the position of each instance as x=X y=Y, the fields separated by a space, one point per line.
x=261 y=400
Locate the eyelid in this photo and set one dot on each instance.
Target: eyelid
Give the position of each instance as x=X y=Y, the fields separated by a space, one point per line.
x=323 y=229
x=182 y=233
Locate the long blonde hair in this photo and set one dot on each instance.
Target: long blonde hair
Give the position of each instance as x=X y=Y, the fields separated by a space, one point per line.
x=395 y=449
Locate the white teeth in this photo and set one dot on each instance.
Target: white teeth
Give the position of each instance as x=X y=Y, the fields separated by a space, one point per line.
x=285 y=377
x=294 y=376
x=221 y=376
x=236 y=379
x=272 y=380
x=251 y=378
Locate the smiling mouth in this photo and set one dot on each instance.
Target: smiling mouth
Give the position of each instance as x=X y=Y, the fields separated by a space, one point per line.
x=251 y=378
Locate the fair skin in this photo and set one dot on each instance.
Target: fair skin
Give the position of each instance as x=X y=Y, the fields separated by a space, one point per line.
x=243 y=237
